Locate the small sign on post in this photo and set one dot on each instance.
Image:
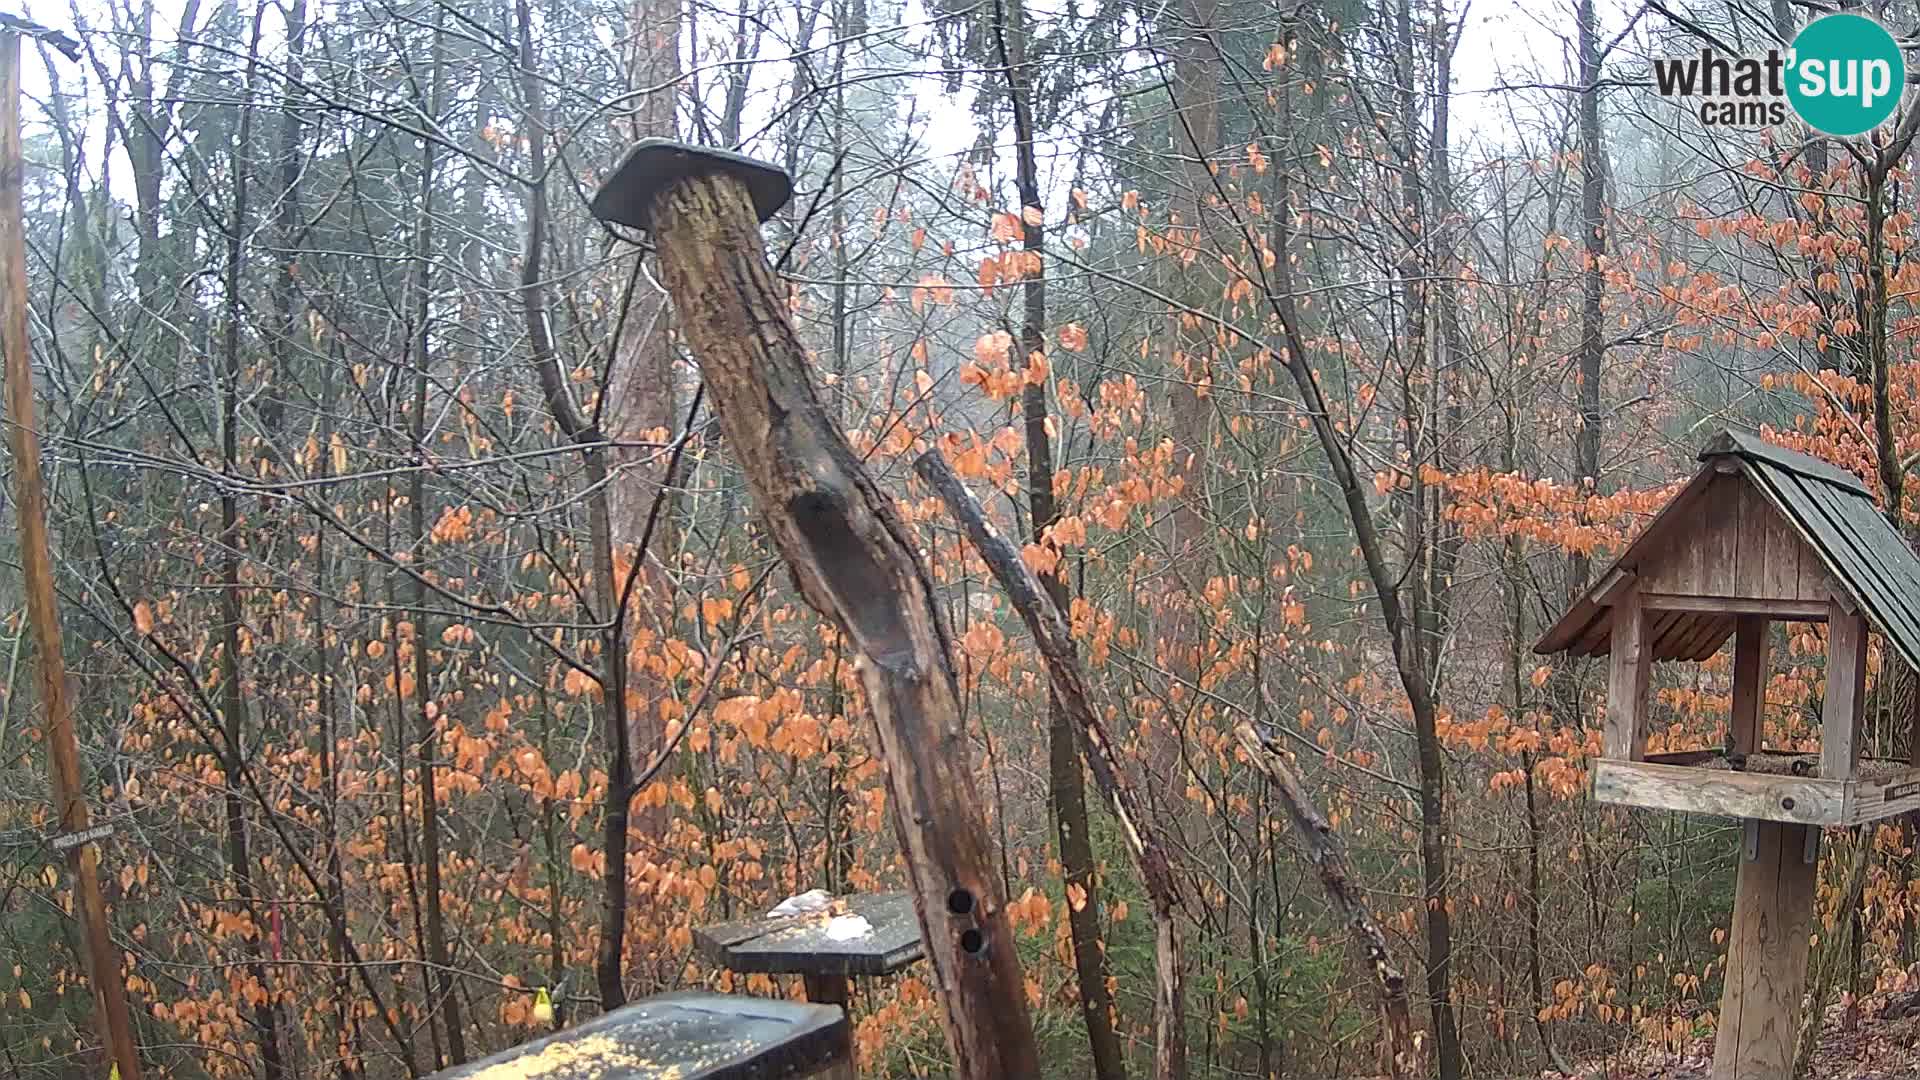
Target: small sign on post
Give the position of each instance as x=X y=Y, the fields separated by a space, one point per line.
x=67 y=841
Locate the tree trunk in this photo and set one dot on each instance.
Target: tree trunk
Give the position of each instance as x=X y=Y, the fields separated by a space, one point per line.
x=1435 y=834
x=445 y=1003
x=641 y=388
x=1066 y=783
x=102 y=958
x=854 y=561
x=233 y=701
x=1593 y=248
x=1329 y=859
x=1145 y=843
x=609 y=591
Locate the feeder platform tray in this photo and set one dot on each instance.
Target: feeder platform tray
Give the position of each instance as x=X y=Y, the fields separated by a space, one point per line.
x=802 y=945
x=1769 y=786
x=690 y=1036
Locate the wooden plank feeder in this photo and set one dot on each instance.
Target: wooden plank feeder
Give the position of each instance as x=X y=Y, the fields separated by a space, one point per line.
x=1759 y=534
x=853 y=559
x=884 y=938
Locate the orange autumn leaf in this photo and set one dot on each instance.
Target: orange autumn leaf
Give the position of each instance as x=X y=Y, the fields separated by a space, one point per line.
x=993 y=348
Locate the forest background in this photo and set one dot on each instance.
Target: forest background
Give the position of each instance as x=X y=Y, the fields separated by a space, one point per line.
x=427 y=651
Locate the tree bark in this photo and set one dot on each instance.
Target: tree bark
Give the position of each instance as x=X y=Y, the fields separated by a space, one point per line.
x=233 y=705
x=609 y=593
x=1435 y=834
x=641 y=391
x=446 y=1003
x=1593 y=249
x=853 y=559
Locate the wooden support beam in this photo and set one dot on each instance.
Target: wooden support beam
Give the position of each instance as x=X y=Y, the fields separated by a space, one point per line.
x=1843 y=709
x=1690 y=789
x=101 y=955
x=1617 y=581
x=828 y=989
x=1749 y=683
x=1766 y=957
x=1913 y=716
x=1629 y=662
x=1786 y=610
x=854 y=560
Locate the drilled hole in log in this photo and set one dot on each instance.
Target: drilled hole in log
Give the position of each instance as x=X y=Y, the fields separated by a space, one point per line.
x=960 y=902
x=1786 y=803
x=973 y=942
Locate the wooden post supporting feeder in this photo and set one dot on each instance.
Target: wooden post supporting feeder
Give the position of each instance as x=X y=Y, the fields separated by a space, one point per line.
x=853 y=558
x=1760 y=534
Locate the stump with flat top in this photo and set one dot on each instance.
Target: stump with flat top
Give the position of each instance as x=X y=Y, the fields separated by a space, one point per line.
x=1761 y=534
x=690 y=1036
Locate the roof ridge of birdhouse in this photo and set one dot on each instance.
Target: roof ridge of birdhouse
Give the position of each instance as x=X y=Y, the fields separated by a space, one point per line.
x=1866 y=562
x=1749 y=445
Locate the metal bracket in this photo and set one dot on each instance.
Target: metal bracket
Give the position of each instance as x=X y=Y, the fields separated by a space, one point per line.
x=1811 y=854
x=1751 y=835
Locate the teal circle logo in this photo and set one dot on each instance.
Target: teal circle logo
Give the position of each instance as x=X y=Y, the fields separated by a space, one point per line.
x=1846 y=75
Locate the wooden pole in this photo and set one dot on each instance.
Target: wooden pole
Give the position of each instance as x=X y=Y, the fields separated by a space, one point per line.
x=1766 y=956
x=854 y=560
x=1629 y=662
x=1747 y=726
x=36 y=561
x=1842 y=712
x=1760 y=1009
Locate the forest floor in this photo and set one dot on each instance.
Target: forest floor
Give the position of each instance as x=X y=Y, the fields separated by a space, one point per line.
x=1881 y=1043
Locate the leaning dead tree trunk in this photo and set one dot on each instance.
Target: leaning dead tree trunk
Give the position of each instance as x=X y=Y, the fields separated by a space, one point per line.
x=854 y=560
x=1050 y=632
x=1329 y=860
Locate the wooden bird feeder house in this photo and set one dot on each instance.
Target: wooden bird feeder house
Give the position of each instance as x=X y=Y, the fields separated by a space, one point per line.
x=1759 y=534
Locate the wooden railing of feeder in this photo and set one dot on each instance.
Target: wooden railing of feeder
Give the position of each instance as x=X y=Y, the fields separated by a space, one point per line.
x=854 y=559
x=1761 y=534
